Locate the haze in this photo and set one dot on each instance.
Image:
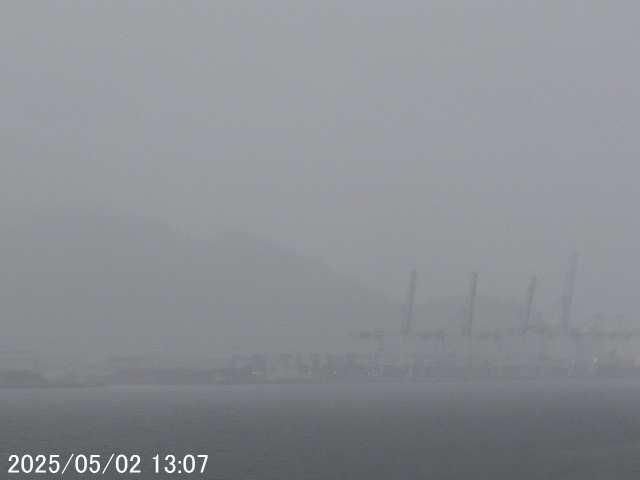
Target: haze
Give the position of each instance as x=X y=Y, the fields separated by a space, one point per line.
x=369 y=137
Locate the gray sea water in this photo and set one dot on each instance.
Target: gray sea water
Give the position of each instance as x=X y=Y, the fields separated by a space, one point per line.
x=500 y=430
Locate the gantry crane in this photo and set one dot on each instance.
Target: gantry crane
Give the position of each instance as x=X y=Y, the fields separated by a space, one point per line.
x=405 y=326
x=526 y=319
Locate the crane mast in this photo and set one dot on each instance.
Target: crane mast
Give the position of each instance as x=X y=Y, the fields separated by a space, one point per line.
x=567 y=297
x=524 y=327
x=406 y=325
x=468 y=325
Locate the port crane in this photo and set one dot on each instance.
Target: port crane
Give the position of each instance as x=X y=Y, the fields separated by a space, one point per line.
x=530 y=345
x=526 y=320
x=465 y=316
x=405 y=327
x=567 y=298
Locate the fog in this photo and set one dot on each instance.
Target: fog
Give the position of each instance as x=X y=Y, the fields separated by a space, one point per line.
x=363 y=139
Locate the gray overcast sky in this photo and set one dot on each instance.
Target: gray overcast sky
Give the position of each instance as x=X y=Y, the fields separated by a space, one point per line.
x=376 y=137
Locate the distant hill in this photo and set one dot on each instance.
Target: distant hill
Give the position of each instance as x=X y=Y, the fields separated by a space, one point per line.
x=100 y=285
x=96 y=284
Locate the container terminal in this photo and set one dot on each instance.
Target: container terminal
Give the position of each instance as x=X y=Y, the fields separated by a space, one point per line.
x=527 y=348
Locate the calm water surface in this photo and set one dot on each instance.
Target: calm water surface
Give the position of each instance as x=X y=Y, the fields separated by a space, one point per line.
x=502 y=430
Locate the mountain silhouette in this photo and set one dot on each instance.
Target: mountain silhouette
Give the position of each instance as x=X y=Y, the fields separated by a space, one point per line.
x=100 y=284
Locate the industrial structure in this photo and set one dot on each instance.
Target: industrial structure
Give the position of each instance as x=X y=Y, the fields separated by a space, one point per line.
x=530 y=346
